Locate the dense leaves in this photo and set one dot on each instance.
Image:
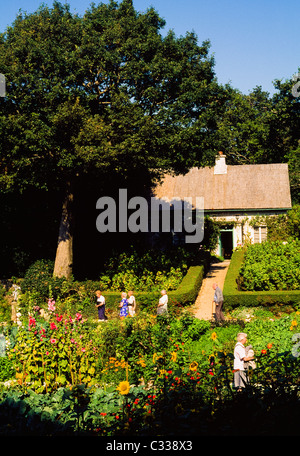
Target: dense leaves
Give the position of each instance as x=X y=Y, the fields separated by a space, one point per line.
x=272 y=265
x=154 y=374
x=102 y=91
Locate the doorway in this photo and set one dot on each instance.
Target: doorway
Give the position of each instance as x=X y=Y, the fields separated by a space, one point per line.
x=226 y=243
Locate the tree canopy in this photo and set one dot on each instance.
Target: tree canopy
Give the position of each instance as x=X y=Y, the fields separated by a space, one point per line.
x=105 y=93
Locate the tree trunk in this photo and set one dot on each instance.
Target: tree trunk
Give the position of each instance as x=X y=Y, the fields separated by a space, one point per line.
x=64 y=253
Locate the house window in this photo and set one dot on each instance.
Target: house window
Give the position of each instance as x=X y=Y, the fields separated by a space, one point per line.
x=260 y=234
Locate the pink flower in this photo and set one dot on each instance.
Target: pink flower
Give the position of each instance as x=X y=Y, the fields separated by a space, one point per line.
x=51 y=305
x=78 y=316
x=59 y=318
x=53 y=341
x=73 y=341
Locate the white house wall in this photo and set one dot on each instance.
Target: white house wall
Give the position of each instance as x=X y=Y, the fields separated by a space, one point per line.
x=243 y=232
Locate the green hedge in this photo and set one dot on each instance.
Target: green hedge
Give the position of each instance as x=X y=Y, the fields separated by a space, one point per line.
x=235 y=298
x=184 y=295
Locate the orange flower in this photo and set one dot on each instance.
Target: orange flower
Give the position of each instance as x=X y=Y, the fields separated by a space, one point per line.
x=269 y=345
x=264 y=352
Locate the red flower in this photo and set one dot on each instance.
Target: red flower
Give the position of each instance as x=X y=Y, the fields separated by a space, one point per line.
x=31 y=321
x=264 y=352
x=53 y=326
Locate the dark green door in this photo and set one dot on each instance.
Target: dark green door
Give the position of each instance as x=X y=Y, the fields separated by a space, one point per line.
x=226 y=243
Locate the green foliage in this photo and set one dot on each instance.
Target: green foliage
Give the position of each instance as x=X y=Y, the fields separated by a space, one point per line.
x=54 y=352
x=39 y=280
x=186 y=365
x=101 y=93
x=7 y=369
x=271 y=266
x=5 y=307
x=148 y=274
x=234 y=297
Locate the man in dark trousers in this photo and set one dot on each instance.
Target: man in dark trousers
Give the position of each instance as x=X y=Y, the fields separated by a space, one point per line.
x=218 y=300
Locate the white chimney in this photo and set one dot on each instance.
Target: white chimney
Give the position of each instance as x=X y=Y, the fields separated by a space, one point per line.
x=220 y=165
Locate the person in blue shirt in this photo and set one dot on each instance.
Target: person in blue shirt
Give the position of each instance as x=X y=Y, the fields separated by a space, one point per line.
x=124 y=306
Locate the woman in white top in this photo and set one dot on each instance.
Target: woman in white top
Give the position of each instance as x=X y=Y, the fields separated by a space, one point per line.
x=100 y=304
x=131 y=304
x=162 y=307
x=240 y=376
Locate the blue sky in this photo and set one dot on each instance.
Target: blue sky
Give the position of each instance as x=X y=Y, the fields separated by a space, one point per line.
x=254 y=42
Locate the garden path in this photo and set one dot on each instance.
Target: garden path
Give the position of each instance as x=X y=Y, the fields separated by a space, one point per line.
x=202 y=308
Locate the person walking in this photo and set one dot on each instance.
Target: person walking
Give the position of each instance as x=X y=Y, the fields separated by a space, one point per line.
x=100 y=304
x=162 y=307
x=218 y=301
x=131 y=304
x=124 y=306
x=240 y=375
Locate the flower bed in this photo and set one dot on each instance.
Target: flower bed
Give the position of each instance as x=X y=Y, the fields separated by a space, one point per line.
x=149 y=375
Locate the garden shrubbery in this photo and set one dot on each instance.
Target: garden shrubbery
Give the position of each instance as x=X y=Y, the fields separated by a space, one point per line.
x=271 y=265
x=148 y=375
x=234 y=297
x=178 y=271
x=66 y=373
x=151 y=270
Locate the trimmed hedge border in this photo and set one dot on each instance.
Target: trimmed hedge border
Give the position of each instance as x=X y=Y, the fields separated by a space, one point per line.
x=234 y=298
x=184 y=295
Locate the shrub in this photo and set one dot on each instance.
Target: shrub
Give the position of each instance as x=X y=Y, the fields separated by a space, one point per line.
x=7 y=370
x=39 y=279
x=233 y=297
x=150 y=270
x=271 y=265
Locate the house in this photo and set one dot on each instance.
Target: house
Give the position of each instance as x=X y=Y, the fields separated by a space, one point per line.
x=234 y=195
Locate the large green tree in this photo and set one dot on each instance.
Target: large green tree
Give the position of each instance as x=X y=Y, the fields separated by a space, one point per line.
x=98 y=95
x=259 y=128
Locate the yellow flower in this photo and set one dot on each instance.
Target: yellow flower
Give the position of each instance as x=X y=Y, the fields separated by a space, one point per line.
x=162 y=372
x=141 y=361
x=193 y=366
x=157 y=357
x=214 y=336
x=294 y=323
x=211 y=358
x=124 y=387
x=173 y=356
